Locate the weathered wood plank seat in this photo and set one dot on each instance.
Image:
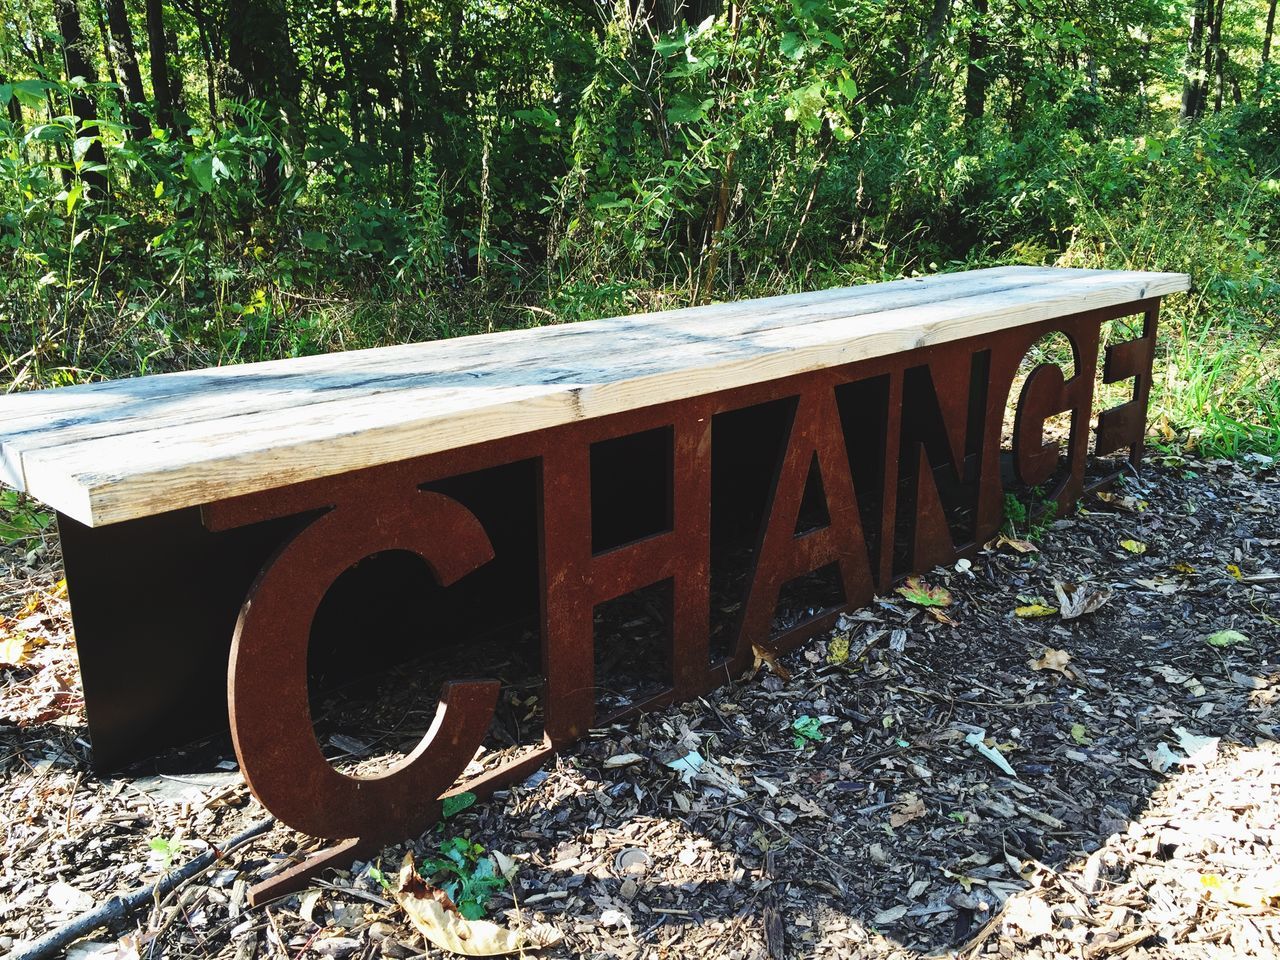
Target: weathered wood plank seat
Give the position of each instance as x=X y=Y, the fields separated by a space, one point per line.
x=110 y=452
x=541 y=474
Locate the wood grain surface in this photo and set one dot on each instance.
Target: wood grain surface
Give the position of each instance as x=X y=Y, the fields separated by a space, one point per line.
x=107 y=452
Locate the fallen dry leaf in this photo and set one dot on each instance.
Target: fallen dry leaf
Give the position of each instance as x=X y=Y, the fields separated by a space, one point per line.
x=1132 y=504
x=436 y=918
x=1200 y=751
x=1029 y=915
x=1075 y=600
x=764 y=657
x=622 y=760
x=16 y=648
x=1260 y=891
x=1018 y=546
x=911 y=807
x=886 y=917
x=1052 y=659
x=1134 y=546
x=940 y=616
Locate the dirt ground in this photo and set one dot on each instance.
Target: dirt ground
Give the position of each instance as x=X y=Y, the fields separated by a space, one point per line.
x=979 y=781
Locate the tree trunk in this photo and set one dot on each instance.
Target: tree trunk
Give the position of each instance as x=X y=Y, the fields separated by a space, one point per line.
x=158 y=48
x=77 y=64
x=14 y=109
x=126 y=54
x=260 y=53
x=262 y=67
x=351 y=79
x=210 y=60
x=108 y=60
x=1193 y=85
x=407 y=136
x=702 y=294
x=1213 y=61
x=177 y=92
x=976 y=78
x=932 y=34
x=1267 y=35
x=665 y=15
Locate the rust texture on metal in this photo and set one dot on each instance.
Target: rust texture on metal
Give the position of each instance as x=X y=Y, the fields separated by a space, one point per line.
x=899 y=459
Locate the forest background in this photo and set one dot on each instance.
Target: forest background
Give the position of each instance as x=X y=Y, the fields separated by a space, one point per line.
x=194 y=182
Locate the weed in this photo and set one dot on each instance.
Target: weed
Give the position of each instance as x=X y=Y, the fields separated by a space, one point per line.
x=166 y=849
x=20 y=519
x=807 y=728
x=466 y=874
x=1028 y=515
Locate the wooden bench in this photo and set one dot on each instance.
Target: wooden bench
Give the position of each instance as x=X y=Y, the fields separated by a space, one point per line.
x=720 y=453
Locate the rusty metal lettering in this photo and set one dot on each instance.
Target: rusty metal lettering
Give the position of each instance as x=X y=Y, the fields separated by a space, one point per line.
x=815 y=447
x=905 y=449
x=943 y=434
x=575 y=579
x=1124 y=426
x=271 y=721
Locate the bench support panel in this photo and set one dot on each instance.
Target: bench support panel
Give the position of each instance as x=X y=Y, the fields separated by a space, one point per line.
x=783 y=503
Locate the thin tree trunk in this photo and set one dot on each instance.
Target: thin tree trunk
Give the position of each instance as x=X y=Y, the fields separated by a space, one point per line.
x=107 y=58
x=814 y=186
x=126 y=54
x=1214 y=62
x=210 y=59
x=976 y=78
x=708 y=280
x=1192 y=85
x=1267 y=35
x=77 y=64
x=932 y=34
x=1220 y=80
x=349 y=75
x=263 y=67
x=407 y=137
x=158 y=48
x=177 y=93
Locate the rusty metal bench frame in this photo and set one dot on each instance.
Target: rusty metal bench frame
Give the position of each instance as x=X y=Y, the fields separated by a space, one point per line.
x=249 y=572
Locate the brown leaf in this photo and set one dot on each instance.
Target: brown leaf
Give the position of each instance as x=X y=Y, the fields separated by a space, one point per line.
x=911 y=807
x=1019 y=546
x=765 y=657
x=16 y=648
x=940 y=616
x=436 y=918
x=1052 y=659
x=1075 y=600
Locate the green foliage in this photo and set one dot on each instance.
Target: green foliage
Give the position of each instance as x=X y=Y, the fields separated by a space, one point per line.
x=455 y=803
x=20 y=518
x=1015 y=512
x=166 y=849
x=467 y=167
x=806 y=728
x=379 y=877
x=1028 y=514
x=466 y=874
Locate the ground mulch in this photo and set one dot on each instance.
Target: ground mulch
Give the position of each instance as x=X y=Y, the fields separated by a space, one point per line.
x=1136 y=817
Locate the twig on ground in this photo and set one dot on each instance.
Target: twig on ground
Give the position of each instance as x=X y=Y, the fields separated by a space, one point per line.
x=119 y=907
